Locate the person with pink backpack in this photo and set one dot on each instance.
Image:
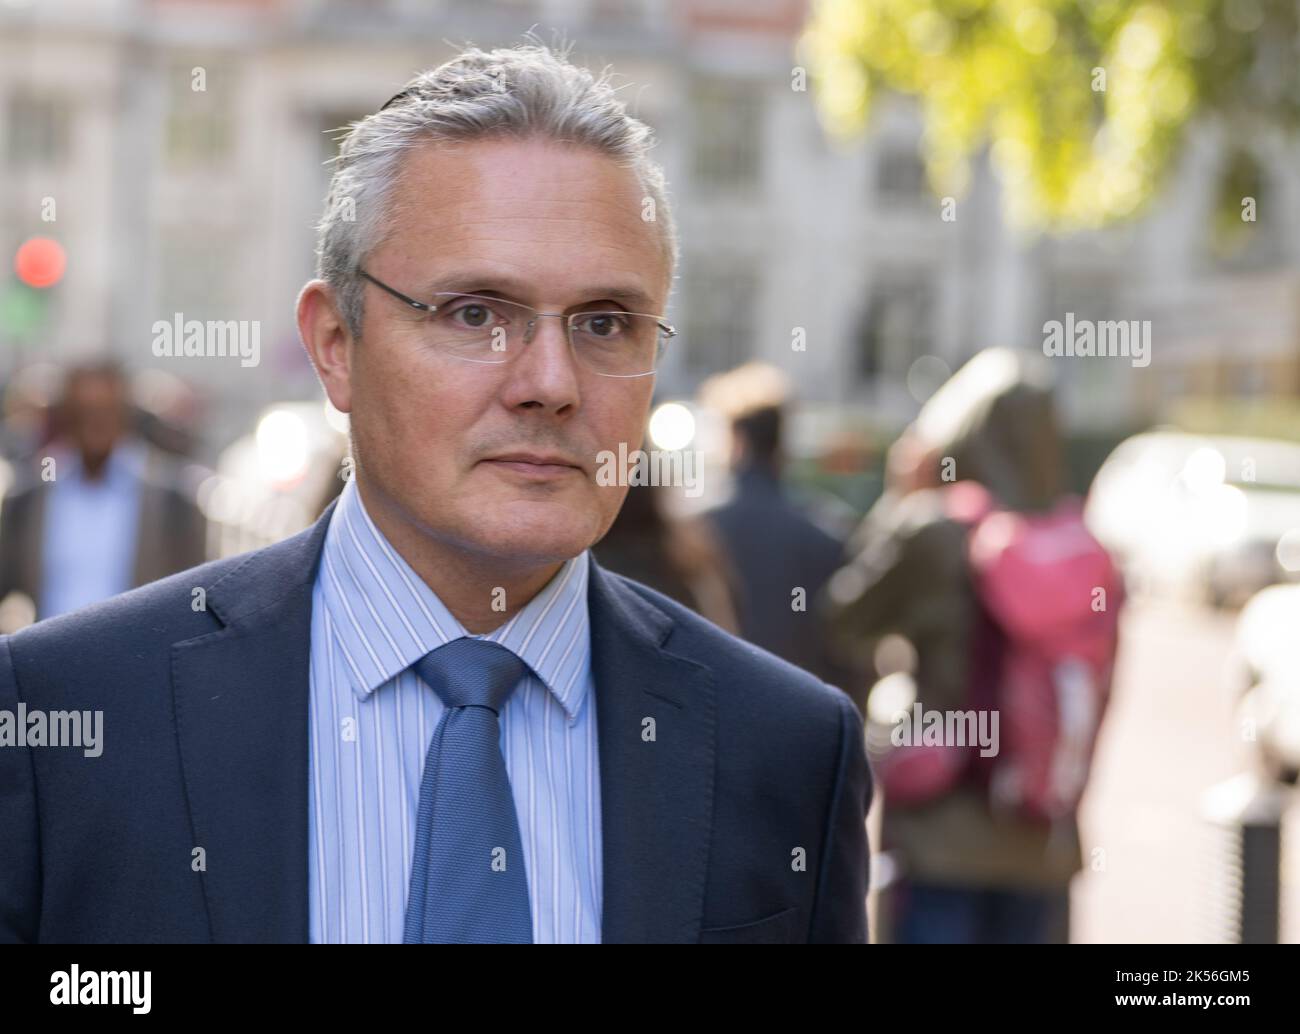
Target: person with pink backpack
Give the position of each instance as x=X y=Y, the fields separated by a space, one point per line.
x=979 y=559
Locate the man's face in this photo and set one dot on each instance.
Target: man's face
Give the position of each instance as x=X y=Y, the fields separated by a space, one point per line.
x=535 y=222
x=96 y=416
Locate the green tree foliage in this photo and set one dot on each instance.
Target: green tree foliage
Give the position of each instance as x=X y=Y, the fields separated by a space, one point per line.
x=1081 y=104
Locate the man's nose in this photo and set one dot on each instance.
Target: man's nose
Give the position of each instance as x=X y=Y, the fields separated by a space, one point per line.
x=545 y=373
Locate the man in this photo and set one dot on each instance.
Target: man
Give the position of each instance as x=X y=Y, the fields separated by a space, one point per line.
x=760 y=514
x=355 y=734
x=104 y=513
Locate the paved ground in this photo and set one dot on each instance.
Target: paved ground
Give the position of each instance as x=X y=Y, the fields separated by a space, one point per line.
x=1170 y=735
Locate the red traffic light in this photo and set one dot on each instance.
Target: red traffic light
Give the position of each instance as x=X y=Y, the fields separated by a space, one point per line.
x=40 y=262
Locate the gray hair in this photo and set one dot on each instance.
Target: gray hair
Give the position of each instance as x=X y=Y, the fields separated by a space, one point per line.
x=522 y=91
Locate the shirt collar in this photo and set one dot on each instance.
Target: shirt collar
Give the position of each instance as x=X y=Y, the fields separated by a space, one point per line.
x=124 y=466
x=386 y=618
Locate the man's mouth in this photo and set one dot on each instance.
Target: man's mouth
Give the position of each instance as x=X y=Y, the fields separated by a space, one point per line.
x=534 y=466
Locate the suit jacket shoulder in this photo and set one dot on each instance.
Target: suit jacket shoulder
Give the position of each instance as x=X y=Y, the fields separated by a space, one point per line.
x=107 y=844
x=760 y=684
x=791 y=787
x=132 y=633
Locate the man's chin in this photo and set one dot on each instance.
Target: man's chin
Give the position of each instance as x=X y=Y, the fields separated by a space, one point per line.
x=530 y=533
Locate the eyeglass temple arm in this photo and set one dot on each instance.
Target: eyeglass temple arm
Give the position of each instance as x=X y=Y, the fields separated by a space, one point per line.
x=422 y=306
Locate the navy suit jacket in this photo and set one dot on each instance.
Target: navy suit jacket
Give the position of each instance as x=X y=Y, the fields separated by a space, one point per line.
x=742 y=821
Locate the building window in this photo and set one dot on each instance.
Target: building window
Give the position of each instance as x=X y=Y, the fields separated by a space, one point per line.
x=721 y=295
x=900 y=174
x=1237 y=246
x=39 y=130
x=896 y=328
x=728 y=133
x=199 y=124
x=1088 y=293
x=1088 y=389
x=195 y=274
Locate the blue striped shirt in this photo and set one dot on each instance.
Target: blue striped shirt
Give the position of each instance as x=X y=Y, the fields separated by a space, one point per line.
x=372 y=719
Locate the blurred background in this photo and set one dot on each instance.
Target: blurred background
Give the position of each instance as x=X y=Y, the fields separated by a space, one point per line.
x=869 y=194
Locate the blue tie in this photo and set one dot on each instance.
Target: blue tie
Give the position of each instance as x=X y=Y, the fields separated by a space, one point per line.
x=468 y=881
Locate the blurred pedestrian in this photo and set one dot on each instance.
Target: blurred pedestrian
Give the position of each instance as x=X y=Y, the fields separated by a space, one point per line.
x=771 y=545
x=976 y=556
x=101 y=512
x=679 y=557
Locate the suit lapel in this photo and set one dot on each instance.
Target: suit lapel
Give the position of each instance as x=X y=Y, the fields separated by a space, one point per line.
x=241 y=705
x=656 y=776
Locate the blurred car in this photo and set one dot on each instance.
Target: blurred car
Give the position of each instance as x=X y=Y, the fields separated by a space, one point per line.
x=1269 y=674
x=1201 y=515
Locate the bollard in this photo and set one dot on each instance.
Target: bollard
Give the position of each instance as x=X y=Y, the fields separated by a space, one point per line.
x=1245 y=817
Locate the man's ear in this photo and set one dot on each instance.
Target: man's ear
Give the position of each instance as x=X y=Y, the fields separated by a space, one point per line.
x=328 y=341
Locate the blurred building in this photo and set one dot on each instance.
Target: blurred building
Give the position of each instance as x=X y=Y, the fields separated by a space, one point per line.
x=183 y=144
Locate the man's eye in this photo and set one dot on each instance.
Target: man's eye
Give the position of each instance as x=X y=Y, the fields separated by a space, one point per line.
x=473 y=316
x=601 y=324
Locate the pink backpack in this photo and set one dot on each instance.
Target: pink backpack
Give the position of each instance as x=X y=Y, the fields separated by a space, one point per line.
x=1042 y=658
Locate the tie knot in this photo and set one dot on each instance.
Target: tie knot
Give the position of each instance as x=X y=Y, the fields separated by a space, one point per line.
x=468 y=672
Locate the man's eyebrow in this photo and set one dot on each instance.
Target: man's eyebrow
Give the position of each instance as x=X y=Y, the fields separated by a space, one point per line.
x=633 y=298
